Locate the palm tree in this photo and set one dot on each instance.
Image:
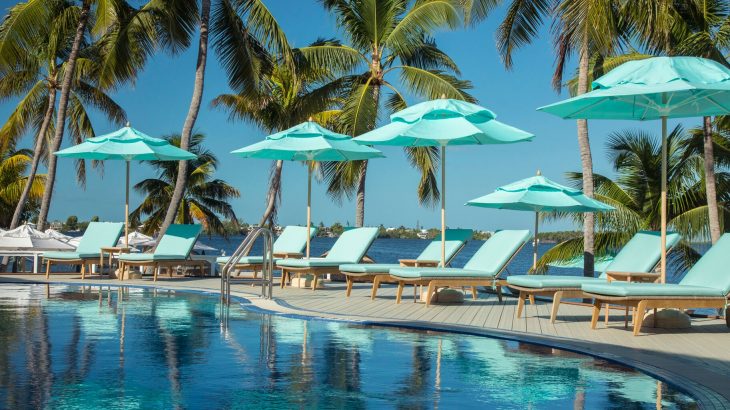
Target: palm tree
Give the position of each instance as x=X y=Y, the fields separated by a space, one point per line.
x=389 y=54
x=205 y=198
x=34 y=77
x=13 y=167
x=636 y=193
x=241 y=29
x=690 y=28
x=577 y=25
x=288 y=95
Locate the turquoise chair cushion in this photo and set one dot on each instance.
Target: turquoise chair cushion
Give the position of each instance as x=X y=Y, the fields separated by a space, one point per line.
x=99 y=235
x=712 y=269
x=178 y=241
x=142 y=257
x=440 y=273
x=245 y=260
x=551 y=281
x=497 y=251
x=69 y=255
x=310 y=263
x=641 y=253
x=293 y=239
x=352 y=245
x=455 y=240
x=623 y=289
x=368 y=268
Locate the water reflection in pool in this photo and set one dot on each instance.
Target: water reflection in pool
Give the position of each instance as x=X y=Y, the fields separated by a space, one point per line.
x=70 y=347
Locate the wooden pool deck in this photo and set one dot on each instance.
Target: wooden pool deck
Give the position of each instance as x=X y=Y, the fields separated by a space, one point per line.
x=697 y=359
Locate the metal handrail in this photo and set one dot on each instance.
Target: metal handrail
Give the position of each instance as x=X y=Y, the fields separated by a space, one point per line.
x=267 y=266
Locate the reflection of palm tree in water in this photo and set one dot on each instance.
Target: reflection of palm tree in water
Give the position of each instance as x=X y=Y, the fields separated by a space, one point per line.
x=418 y=381
x=38 y=359
x=342 y=373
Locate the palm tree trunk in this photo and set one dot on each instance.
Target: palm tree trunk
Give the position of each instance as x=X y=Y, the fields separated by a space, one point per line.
x=61 y=115
x=182 y=172
x=273 y=195
x=587 y=165
x=710 y=186
x=37 y=151
x=360 y=213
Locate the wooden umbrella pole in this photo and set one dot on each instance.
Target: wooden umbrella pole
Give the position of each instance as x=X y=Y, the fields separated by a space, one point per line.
x=534 y=242
x=126 y=211
x=309 y=202
x=664 y=202
x=443 y=206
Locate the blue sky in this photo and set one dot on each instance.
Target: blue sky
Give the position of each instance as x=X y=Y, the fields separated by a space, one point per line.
x=157 y=104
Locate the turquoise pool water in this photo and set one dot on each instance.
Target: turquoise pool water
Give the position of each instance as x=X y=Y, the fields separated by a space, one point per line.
x=97 y=347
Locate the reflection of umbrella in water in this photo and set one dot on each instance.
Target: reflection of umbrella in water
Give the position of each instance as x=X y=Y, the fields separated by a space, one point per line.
x=173 y=314
x=351 y=335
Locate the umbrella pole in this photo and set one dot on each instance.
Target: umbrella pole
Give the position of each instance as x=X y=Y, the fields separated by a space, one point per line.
x=443 y=206
x=534 y=243
x=126 y=211
x=309 y=203
x=664 y=202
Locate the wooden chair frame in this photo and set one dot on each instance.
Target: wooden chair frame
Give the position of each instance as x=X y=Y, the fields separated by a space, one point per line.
x=384 y=277
x=80 y=261
x=317 y=271
x=641 y=304
x=161 y=264
x=435 y=283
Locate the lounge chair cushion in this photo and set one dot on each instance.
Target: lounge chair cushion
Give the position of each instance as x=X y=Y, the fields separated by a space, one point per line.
x=351 y=246
x=178 y=241
x=293 y=239
x=637 y=290
x=437 y=273
x=368 y=268
x=151 y=257
x=245 y=260
x=310 y=263
x=712 y=268
x=69 y=255
x=455 y=240
x=99 y=235
x=551 y=281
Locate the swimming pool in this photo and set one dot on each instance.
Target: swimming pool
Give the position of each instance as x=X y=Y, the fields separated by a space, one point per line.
x=101 y=347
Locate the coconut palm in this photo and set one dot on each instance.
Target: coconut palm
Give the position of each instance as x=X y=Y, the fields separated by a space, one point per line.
x=636 y=193
x=389 y=54
x=34 y=78
x=581 y=27
x=289 y=94
x=13 y=167
x=241 y=30
x=205 y=198
x=699 y=28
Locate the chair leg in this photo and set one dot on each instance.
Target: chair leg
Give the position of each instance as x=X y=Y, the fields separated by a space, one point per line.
x=596 y=313
x=155 y=269
x=532 y=299
x=556 y=305
x=83 y=270
x=349 y=286
x=283 y=278
x=474 y=295
x=48 y=268
x=430 y=293
x=314 y=282
x=520 y=303
x=498 y=289
x=639 y=319
x=608 y=309
x=376 y=285
x=399 y=292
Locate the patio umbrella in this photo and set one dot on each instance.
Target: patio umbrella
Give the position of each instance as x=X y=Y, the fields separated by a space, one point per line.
x=28 y=238
x=135 y=238
x=539 y=194
x=126 y=144
x=439 y=123
x=308 y=142
x=650 y=89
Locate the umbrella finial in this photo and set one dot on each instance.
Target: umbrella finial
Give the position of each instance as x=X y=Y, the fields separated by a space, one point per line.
x=128 y=124
x=539 y=173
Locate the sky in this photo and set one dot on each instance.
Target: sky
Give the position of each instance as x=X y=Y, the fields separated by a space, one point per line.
x=158 y=102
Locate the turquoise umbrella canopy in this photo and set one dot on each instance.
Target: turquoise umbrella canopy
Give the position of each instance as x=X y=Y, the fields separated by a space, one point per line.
x=654 y=88
x=308 y=142
x=440 y=123
x=126 y=144
x=539 y=194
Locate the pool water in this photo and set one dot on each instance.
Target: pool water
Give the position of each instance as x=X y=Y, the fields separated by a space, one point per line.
x=104 y=347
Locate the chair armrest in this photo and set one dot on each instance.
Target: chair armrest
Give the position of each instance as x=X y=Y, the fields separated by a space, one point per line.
x=289 y=255
x=634 y=276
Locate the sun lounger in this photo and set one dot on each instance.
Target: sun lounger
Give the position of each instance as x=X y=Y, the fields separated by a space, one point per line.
x=706 y=285
x=97 y=235
x=483 y=269
x=349 y=248
x=173 y=250
x=290 y=244
x=634 y=262
x=430 y=257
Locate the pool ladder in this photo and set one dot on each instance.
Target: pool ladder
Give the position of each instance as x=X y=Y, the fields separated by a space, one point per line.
x=267 y=269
